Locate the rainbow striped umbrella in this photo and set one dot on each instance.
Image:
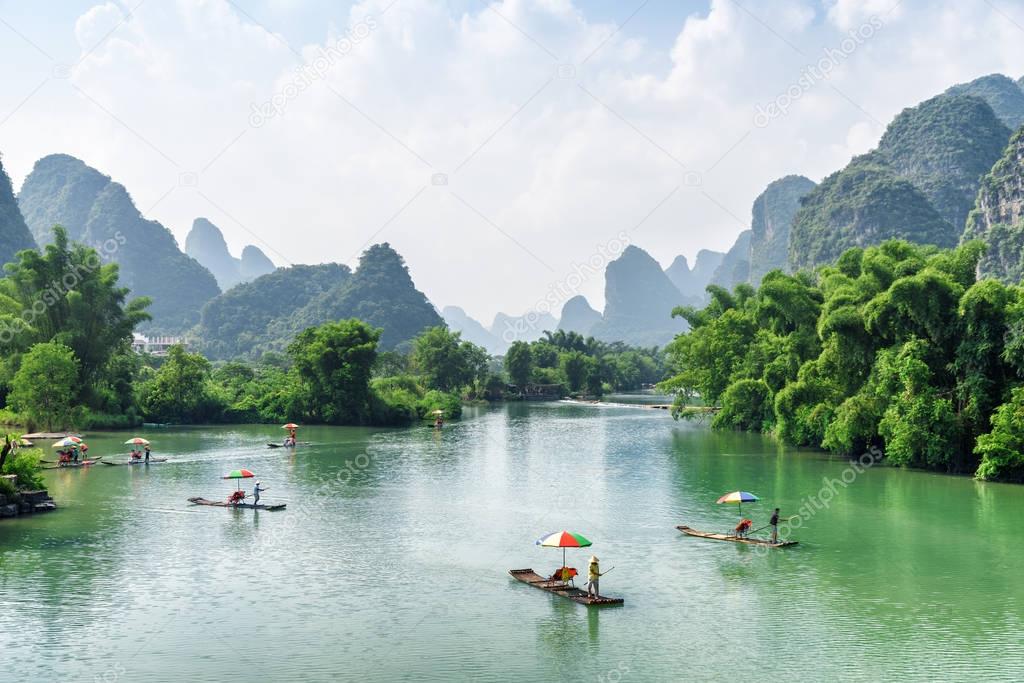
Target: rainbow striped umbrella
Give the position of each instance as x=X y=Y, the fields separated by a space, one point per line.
x=738 y=497
x=67 y=442
x=239 y=474
x=563 y=540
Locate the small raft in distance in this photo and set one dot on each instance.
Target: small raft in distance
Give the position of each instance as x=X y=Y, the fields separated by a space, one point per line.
x=735 y=539
x=135 y=462
x=223 y=504
x=531 y=577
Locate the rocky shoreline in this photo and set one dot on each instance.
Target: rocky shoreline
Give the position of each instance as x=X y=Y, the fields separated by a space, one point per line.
x=26 y=503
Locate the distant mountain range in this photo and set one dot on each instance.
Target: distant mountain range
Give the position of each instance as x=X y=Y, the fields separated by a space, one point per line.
x=205 y=243
x=691 y=282
x=62 y=190
x=920 y=184
x=946 y=170
x=578 y=316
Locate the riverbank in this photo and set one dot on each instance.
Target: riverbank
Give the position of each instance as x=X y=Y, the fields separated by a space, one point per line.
x=14 y=503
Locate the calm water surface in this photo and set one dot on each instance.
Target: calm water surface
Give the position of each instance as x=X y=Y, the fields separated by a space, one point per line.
x=391 y=560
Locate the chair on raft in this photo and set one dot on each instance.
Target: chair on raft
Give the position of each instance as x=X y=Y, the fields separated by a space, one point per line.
x=566 y=575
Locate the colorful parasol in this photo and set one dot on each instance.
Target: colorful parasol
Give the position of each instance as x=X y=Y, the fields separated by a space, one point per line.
x=290 y=425
x=67 y=442
x=738 y=497
x=239 y=474
x=137 y=441
x=563 y=540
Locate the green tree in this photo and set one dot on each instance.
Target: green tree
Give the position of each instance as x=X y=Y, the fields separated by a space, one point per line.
x=519 y=363
x=919 y=426
x=574 y=364
x=71 y=297
x=334 y=362
x=447 y=362
x=1002 y=449
x=180 y=391
x=44 y=386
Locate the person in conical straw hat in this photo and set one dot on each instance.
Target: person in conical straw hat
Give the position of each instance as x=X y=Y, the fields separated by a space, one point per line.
x=594 y=577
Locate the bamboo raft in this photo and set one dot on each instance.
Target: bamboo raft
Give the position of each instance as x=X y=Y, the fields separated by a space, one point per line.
x=735 y=539
x=55 y=462
x=224 y=504
x=530 y=577
x=135 y=462
x=81 y=463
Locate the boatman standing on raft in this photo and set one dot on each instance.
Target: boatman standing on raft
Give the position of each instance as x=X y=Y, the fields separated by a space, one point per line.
x=256 y=490
x=594 y=578
x=774 y=522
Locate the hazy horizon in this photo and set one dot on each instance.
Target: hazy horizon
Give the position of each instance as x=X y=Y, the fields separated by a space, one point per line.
x=494 y=146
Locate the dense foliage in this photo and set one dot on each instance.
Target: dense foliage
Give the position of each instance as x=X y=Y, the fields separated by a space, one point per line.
x=66 y=295
x=895 y=346
x=582 y=365
x=333 y=364
x=256 y=317
x=332 y=374
x=179 y=392
x=445 y=361
x=23 y=463
x=44 y=386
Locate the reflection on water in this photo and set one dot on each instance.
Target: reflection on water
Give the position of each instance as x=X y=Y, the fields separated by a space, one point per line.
x=391 y=560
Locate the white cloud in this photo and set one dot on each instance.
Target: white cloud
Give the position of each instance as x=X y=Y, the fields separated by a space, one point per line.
x=536 y=163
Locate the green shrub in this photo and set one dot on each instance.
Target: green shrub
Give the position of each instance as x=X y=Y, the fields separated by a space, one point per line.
x=433 y=400
x=25 y=464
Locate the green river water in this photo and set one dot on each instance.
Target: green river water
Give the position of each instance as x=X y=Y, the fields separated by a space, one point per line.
x=391 y=560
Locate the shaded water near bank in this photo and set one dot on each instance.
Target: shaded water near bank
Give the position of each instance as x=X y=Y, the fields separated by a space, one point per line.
x=391 y=560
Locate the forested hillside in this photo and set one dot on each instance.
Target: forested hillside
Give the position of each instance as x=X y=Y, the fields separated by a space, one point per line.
x=96 y=211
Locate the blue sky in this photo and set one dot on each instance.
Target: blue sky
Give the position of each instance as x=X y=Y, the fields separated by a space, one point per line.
x=556 y=130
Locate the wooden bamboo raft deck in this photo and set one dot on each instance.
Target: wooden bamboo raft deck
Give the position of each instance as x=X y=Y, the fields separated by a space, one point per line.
x=735 y=539
x=528 y=576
